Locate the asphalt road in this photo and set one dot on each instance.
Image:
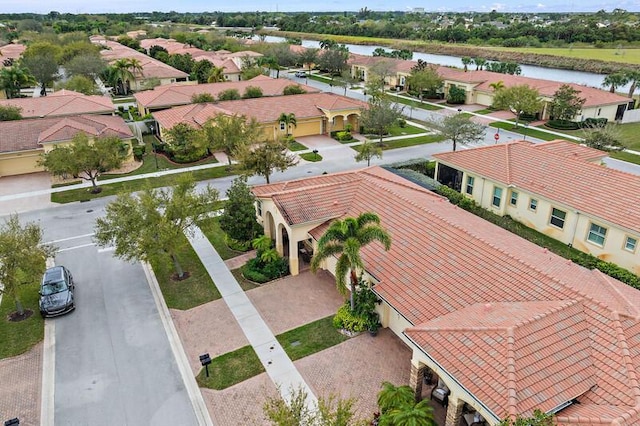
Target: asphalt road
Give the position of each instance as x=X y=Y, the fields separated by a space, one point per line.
x=113 y=361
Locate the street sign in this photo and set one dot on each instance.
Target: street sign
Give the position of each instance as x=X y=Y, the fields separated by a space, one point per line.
x=496 y=136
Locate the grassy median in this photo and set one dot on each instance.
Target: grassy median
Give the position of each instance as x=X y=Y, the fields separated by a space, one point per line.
x=18 y=337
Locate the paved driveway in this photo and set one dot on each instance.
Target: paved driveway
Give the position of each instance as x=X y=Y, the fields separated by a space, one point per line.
x=25 y=183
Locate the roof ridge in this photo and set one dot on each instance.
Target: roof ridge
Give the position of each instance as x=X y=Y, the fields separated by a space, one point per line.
x=508 y=163
x=512 y=391
x=566 y=303
x=626 y=356
x=616 y=290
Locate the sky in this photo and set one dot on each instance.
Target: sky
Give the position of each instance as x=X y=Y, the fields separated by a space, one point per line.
x=125 y=6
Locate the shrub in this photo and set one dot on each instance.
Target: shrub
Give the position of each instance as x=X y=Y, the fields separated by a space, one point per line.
x=237 y=245
x=402 y=123
x=346 y=320
x=594 y=123
x=456 y=95
x=138 y=152
x=261 y=272
x=343 y=136
x=563 y=124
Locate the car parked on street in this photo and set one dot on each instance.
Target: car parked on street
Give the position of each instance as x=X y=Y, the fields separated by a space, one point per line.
x=56 y=292
x=301 y=74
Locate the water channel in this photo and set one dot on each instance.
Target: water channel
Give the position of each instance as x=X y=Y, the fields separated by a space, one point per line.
x=554 y=74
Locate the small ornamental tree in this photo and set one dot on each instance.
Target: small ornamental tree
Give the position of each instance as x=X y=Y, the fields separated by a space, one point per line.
x=519 y=100
x=380 y=116
x=85 y=159
x=252 y=92
x=603 y=138
x=201 y=98
x=368 y=151
x=238 y=219
x=186 y=143
x=460 y=129
x=152 y=224
x=229 y=95
x=22 y=257
x=265 y=158
x=227 y=133
x=566 y=103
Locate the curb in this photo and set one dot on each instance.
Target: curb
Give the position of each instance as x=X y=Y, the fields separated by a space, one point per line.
x=195 y=396
x=47 y=395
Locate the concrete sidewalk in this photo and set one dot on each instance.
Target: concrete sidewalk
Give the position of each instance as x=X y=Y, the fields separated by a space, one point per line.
x=276 y=362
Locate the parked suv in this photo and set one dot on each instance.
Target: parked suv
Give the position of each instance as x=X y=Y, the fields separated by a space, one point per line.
x=301 y=74
x=56 y=292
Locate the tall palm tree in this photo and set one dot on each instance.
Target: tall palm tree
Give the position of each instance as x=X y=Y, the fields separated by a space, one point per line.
x=615 y=80
x=344 y=239
x=120 y=73
x=216 y=75
x=466 y=61
x=497 y=85
x=288 y=120
x=480 y=63
x=633 y=77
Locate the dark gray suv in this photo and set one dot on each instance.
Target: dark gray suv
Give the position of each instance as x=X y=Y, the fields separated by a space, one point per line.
x=56 y=292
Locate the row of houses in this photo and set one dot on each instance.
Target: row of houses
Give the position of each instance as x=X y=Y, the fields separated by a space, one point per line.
x=503 y=326
x=479 y=86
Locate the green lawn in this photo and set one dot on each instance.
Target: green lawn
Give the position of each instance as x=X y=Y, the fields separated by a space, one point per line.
x=625 y=156
x=406 y=130
x=242 y=364
x=629 y=135
x=485 y=111
x=310 y=156
x=310 y=338
x=403 y=143
x=83 y=194
x=524 y=131
x=190 y=292
x=415 y=103
x=628 y=56
x=231 y=368
x=18 y=337
x=211 y=228
x=296 y=146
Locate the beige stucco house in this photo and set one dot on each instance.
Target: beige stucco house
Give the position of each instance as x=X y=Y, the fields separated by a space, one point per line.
x=558 y=188
x=316 y=113
x=500 y=325
x=24 y=141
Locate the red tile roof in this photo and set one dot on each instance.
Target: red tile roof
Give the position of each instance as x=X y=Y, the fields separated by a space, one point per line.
x=30 y=134
x=265 y=109
x=557 y=174
x=180 y=94
x=516 y=325
x=61 y=103
x=398 y=65
x=11 y=51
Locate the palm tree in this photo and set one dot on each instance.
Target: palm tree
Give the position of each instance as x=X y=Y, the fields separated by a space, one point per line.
x=497 y=85
x=288 y=120
x=344 y=239
x=120 y=74
x=391 y=396
x=327 y=44
x=633 y=77
x=615 y=80
x=420 y=414
x=14 y=78
x=466 y=61
x=216 y=75
x=480 y=63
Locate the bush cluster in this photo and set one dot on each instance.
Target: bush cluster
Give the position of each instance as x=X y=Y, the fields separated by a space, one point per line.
x=138 y=152
x=261 y=272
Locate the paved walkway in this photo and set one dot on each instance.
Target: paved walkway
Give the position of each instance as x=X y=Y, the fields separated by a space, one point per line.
x=21 y=379
x=276 y=362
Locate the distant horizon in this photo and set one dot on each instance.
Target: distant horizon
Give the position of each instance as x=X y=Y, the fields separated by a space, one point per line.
x=310 y=6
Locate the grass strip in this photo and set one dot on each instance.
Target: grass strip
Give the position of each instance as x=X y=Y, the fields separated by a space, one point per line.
x=18 y=337
x=414 y=103
x=403 y=143
x=108 y=189
x=625 y=156
x=296 y=146
x=524 y=131
x=193 y=291
x=310 y=156
x=237 y=366
x=310 y=338
x=216 y=236
x=231 y=368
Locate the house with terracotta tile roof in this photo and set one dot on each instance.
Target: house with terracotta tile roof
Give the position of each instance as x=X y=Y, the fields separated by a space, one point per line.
x=477 y=85
x=61 y=103
x=558 y=188
x=163 y=97
x=11 y=52
x=231 y=63
x=316 y=113
x=502 y=325
x=151 y=68
x=362 y=65
x=23 y=141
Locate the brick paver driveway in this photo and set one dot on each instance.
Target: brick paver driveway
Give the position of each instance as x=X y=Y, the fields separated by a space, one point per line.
x=355 y=368
x=21 y=379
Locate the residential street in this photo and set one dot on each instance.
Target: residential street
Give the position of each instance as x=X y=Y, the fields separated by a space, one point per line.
x=113 y=361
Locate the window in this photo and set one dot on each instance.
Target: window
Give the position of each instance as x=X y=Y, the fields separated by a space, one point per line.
x=514 y=198
x=533 y=204
x=259 y=207
x=497 y=196
x=470 y=181
x=557 y=218
x=282 y=126
x=597 y=234
x=630 y=244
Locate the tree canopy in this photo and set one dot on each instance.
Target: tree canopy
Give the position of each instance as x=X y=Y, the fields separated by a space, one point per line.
x=152 y=224
x=85 y=159
x=227 y=133
x=566 y=103
x=8 y=113
x=380 y=115
x=519 y=100
x=265 y=157
x=460 y=129
x=238 y=219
